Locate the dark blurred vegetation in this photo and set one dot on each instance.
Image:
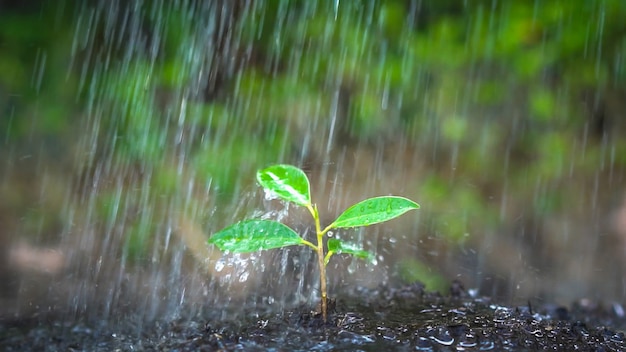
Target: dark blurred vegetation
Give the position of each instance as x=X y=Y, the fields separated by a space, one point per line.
x=513 y=109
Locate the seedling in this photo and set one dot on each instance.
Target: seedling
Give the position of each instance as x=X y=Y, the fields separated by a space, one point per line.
x=291 y=184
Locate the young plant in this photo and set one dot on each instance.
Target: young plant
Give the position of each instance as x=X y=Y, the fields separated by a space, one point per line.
x=291 y=184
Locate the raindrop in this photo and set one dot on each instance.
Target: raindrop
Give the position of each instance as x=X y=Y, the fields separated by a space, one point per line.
x=424 y=344
x=351 y=269
x=468 y=343
x=440 y=335
x=219 y=265
x=269 y=195
x=486 y=345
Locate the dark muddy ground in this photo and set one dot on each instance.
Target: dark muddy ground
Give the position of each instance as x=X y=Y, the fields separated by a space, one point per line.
x=400 y=319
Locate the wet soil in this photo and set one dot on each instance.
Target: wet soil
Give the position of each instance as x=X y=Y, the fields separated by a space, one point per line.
x=400 y=319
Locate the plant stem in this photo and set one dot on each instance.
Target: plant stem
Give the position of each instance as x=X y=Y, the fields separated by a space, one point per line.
x=320 y=260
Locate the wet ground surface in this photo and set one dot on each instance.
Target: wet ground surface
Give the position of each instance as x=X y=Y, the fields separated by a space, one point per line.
x=401 y=319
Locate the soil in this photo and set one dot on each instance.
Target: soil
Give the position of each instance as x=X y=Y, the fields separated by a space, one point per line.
x=402 y=319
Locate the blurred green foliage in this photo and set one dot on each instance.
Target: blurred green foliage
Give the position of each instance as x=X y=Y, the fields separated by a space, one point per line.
x=494 y=89
x=411 y=270
x=34 y=48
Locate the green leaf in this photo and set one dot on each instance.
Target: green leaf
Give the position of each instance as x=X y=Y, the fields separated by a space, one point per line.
x=255 y=235
x=287 y=182
x=373 y=211
x=336 y=246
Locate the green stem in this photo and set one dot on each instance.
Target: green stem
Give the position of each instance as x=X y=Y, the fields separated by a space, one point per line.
x=320 y=259
x=328 y=228
x=327 y=258
x=307 y=243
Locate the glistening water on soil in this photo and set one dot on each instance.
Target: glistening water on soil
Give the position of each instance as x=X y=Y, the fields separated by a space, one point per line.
x=406 y=318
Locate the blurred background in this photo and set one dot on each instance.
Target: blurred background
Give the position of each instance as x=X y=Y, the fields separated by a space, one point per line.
x=131 y=130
